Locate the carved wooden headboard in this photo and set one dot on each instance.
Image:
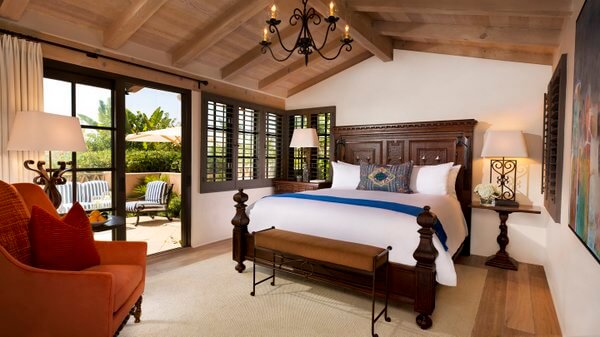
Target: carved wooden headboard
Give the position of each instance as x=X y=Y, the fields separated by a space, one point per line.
x=425 y=143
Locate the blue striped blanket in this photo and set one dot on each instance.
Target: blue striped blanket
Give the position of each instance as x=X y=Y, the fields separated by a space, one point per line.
x=390 y=206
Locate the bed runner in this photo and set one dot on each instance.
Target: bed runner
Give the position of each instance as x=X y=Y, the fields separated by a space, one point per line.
x=390 y=206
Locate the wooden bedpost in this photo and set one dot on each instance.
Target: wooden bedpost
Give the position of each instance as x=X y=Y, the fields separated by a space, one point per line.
x=240 y=228
x=425 y=255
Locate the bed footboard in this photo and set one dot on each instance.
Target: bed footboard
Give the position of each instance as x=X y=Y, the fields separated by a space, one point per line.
x=240 y=229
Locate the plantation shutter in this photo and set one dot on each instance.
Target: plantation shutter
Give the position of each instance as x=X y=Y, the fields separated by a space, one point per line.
x=273 y=145
x=219 y=142
x=553 y=139
x=247 y=144
x=320 y=158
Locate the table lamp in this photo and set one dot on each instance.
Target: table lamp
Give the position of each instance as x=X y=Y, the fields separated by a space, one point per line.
x=305 y=139
x=504 y=144
x=40 y=131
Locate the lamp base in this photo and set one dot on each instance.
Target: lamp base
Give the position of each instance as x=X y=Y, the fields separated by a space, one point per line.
x=506 y=203
x=305 y=174
x=49 y=178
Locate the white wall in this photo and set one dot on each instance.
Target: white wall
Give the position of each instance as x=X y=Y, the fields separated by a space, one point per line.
x=211 y=212
x=573 y=274
x=422 y=86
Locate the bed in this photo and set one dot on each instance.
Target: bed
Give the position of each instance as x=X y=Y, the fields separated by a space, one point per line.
x=418 y=260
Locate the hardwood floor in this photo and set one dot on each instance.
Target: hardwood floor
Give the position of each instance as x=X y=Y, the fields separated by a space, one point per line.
x=167 y=261
x=513 y=303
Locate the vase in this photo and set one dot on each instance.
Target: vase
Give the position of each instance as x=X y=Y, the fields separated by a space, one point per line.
x=487 y=202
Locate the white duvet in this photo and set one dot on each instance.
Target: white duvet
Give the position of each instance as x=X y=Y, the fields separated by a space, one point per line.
x=367 y=225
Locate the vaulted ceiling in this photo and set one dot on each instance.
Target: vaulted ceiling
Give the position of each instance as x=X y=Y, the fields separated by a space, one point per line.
x=218 y=39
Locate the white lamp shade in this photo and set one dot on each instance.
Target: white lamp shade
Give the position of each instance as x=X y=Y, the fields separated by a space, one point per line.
x=40 y=131
x=509 y=144
x=305 y=138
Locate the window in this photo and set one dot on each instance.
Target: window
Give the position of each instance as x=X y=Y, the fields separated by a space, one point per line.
x=322 y=119
x=296 y=162
x=242 y=144
x=91 y=99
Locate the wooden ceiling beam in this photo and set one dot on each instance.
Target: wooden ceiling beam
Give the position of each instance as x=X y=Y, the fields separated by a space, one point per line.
x=327 y=74
x=226 y=22
x=130 y=20
x=361 y=29
x=488 y=36
x=490 y=53
x=550 y=8
x=13 y=9
x=296 y=66
x=250 y=58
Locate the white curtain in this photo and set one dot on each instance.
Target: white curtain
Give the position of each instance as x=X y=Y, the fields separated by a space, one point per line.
x=21 y=89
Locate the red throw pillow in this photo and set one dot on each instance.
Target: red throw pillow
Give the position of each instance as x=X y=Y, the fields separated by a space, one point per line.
x=14 y=235
x=62 y=244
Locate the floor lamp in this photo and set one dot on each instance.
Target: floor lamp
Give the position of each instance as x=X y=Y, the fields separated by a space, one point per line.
x=504 y=144
x=40 y=131
x=305 y=139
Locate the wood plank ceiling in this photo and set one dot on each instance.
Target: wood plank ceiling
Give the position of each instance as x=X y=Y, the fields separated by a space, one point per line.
x=223 y=34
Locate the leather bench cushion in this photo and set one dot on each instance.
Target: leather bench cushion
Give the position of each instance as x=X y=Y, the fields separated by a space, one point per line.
x=349 y=254
x=125 y=279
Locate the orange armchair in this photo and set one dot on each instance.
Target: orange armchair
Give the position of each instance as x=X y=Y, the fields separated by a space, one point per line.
x=93 y=302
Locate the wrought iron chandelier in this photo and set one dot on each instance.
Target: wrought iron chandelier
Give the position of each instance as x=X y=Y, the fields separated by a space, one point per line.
x=305 y=44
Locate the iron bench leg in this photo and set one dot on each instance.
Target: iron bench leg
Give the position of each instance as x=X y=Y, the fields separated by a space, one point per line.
x=383 y=311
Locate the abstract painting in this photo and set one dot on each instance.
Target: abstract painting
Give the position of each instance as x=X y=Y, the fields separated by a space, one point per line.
x=584 y=215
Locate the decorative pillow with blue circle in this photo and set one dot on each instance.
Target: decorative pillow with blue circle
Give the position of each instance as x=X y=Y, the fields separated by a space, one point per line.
x=389 y=178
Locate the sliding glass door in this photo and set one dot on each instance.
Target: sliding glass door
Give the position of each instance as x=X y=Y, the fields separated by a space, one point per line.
x=137 y=161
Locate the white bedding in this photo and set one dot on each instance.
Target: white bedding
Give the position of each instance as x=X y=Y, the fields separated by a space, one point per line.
x=367 y=225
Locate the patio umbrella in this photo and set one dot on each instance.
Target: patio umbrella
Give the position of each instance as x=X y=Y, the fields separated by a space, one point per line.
x=168 y=135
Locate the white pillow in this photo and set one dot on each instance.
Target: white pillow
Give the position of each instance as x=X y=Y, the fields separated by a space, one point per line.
x=452 y=175
x=430 y=179
x=345 y=176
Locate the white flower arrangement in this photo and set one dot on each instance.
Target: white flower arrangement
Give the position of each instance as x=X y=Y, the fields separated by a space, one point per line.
x=487 y=191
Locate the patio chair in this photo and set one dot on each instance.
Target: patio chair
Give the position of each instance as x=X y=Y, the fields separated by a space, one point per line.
x=156 y=199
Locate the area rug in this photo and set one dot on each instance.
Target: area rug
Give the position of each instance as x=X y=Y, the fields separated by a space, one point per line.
x=209 y=298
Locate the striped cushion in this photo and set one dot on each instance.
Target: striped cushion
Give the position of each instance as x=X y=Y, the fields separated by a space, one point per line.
x=134 y=206
x=98 y=204
x=14 y=220
x=156 y=191
x=66 y=192
x=90 y=189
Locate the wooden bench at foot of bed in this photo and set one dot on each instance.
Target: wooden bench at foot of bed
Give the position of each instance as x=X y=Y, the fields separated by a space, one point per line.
x=287 y=247
x=411 y=284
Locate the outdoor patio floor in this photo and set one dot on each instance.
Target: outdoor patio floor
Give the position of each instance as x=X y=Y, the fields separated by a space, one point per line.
x=160 y=233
